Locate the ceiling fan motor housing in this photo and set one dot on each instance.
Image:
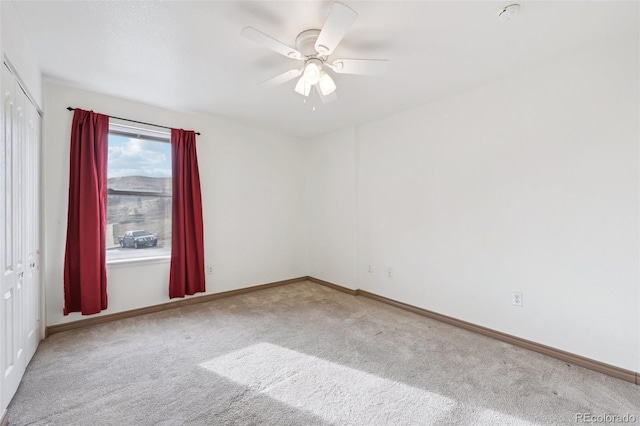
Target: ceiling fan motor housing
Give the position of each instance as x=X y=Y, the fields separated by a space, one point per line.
x=305 y=43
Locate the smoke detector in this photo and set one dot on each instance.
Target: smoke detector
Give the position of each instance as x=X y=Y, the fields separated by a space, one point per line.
x=507 y=13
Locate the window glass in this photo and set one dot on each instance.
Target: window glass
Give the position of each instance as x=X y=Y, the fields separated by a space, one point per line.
x=138 y=194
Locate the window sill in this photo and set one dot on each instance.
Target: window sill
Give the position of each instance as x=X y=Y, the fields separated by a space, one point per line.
x=139 y=261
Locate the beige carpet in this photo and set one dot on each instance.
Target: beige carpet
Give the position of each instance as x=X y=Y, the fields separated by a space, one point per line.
x=302 y=354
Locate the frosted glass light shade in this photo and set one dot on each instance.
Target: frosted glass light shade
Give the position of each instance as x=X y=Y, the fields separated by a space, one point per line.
x=327 y=85
x=303 y=87
x=312 y=71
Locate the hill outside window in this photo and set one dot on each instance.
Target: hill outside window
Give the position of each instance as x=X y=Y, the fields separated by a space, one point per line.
x=139 y=194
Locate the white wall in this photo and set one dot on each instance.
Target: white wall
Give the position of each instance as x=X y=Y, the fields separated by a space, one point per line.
x=332 y=208
x=17 y=49
x=529 y=184
x=254 y=196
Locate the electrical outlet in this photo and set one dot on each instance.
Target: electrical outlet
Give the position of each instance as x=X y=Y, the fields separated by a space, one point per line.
x=210 y=269
x=516 y=299
x=370 y=270
x=389 y=273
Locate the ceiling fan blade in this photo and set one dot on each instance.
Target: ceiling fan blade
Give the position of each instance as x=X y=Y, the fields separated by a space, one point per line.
x=360 y=66
x=326 y=98
x=270 y=43
x=335 y=27
x=282 y=78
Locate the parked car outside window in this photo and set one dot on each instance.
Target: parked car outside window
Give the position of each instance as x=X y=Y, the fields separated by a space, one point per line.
x=138 y=239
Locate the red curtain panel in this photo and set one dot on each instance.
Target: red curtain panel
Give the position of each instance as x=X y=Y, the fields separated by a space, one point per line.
x=85 y=269
x=187 y=240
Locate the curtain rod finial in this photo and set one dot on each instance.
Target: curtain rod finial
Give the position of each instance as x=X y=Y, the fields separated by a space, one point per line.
x=70 y=109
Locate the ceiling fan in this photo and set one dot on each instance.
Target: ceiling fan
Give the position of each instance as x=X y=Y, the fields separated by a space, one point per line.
x=314 y=47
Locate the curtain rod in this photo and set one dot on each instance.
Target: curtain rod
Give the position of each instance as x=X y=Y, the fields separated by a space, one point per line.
x=134 y=121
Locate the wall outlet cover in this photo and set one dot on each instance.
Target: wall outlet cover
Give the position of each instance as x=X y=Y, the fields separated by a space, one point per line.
x=516 y=299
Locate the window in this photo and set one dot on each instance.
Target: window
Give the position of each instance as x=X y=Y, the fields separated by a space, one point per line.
x=138 y=193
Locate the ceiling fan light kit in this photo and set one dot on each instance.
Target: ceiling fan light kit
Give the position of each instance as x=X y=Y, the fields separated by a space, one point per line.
x=314 y=47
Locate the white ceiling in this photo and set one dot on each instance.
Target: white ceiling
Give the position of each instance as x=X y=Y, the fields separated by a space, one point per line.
x=189 y=55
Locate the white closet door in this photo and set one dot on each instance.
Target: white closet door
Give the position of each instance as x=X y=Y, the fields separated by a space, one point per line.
x=4 y=245
x=13 y=361
x=31 y=197
x=20 y=289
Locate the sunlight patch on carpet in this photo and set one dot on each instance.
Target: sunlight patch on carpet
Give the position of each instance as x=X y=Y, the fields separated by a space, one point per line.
x=340 y=394
x=326 y=389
